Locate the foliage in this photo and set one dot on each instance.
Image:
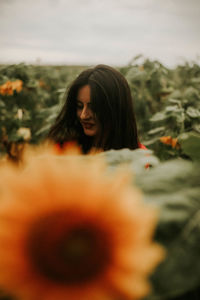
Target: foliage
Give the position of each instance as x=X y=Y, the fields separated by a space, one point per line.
x=167 y=105
x=179 y=118
x=34 y=106
x=173 y=187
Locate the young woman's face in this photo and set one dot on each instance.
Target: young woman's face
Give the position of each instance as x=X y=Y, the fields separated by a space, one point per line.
x=84 y=112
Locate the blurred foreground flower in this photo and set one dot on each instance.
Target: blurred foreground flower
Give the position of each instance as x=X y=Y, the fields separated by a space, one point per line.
x=10 y=86
x=66 y=148
x=69 y=231
x=15 y=152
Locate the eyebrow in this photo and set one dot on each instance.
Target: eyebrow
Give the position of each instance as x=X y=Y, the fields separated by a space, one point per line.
x=82 y=102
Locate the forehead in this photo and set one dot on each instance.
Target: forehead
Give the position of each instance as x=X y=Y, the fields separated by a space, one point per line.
x=84 y=94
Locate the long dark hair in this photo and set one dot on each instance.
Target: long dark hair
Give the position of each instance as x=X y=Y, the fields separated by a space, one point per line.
x=112 y=105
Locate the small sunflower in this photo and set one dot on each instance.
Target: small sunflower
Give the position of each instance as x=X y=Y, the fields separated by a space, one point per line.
x=69 y=231
x=168 y=140
x=9 y=86
x=6 y=88
x=17 y=85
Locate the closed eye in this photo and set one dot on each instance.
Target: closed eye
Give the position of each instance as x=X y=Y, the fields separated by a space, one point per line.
x=80 y=105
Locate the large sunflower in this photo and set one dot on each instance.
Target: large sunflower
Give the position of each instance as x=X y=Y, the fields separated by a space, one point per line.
x=68 y=231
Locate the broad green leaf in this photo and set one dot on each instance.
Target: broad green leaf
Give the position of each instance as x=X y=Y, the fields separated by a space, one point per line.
x=156 y=130
x=193 y=112
x=159 y=116
x=2 y=104
x=178 y=102
x=196 y=127
x=190 y=144
x=135 y=74
x=173 y=188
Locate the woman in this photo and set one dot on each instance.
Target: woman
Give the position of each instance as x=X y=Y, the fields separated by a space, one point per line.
x=98 y=112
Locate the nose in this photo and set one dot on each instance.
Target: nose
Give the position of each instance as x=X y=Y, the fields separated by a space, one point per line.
x=85 y=113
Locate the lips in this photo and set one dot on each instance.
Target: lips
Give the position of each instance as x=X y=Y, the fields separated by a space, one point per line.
x=87 y=125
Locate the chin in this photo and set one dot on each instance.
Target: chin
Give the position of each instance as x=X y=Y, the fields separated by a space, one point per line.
x=89 y=133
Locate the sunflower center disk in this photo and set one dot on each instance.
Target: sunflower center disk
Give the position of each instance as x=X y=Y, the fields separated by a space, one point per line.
x=68 y=249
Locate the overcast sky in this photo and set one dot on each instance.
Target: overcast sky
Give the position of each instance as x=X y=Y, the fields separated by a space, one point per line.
x=99 y=31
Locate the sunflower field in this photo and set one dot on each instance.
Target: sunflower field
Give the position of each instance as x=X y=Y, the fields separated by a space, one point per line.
x=128 y=230
x=167 y=104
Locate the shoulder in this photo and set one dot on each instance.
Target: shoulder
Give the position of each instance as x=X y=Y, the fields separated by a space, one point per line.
x=141 y=146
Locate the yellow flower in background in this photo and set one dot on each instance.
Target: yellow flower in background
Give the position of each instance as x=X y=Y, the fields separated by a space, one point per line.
x=25 y=133
x=17 y=85
x=10 y=86
x=6 y=88
x=168 y=140
x=69 y=231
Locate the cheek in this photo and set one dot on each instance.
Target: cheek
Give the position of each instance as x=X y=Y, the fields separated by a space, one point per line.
x=78 y=113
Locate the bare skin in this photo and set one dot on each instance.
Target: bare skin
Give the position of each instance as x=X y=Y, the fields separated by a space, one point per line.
x=84 y=112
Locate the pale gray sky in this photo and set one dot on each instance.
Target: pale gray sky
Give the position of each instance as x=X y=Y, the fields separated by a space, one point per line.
x=99 y=31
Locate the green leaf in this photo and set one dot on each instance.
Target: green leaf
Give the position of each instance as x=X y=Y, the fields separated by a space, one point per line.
x=156 y=130
x=134 y=74
x=175 y=101
x=2 y=104
x=159 y=116
x=193 y=112
x=196 y=127
x=195 y=80
x=173 y=188
x=190 y=144
x=176 y=94
x=137 y=159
